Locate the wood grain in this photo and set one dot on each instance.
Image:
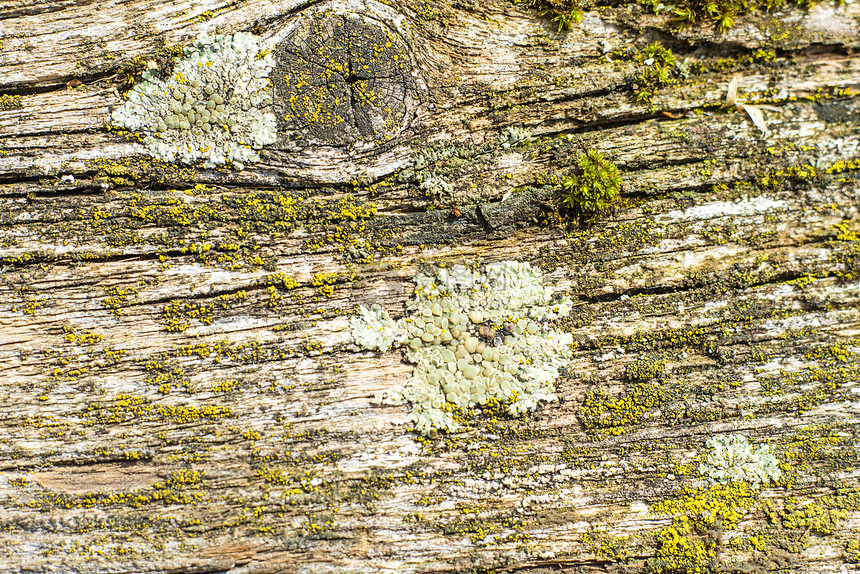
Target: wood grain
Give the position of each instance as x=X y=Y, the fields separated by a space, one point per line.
x=181 y=392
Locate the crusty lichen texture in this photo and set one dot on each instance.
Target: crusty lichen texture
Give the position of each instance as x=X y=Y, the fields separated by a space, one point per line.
x=732 y=459
x=213 y=108
x=373 y=329
x=477 y=337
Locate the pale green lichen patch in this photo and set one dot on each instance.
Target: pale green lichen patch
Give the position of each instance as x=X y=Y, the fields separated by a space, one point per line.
x=213 y=108
x=478 y=338
x=732 y=459
x=372 y=328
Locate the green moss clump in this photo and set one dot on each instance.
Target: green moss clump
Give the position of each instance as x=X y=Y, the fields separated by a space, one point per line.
x=723 y=12
x=659 y=62
x=593 y=187
x=565 y=13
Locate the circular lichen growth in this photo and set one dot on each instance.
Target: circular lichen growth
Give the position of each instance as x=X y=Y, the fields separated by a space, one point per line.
x=592 y=189
x=731 y=458
x=213 y=108
x=479 y=338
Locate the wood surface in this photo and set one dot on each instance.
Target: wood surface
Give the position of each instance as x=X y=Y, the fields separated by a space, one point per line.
x=180 y=390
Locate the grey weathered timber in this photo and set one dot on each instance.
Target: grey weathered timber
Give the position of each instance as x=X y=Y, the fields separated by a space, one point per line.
x=179 y=386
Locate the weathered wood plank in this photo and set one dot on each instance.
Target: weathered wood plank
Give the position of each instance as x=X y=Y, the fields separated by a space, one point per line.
x=181 y=389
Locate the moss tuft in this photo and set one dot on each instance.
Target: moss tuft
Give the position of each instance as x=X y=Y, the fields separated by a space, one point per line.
x=592 y=189
x=659 y=62
x=565 y=13
x=722 y=13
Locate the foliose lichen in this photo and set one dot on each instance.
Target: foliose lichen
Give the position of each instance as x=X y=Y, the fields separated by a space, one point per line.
x=476 y=336
x=433 y=185
x=213 y=107
x=514 y=135
x=732 y=459
x=373 y=329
